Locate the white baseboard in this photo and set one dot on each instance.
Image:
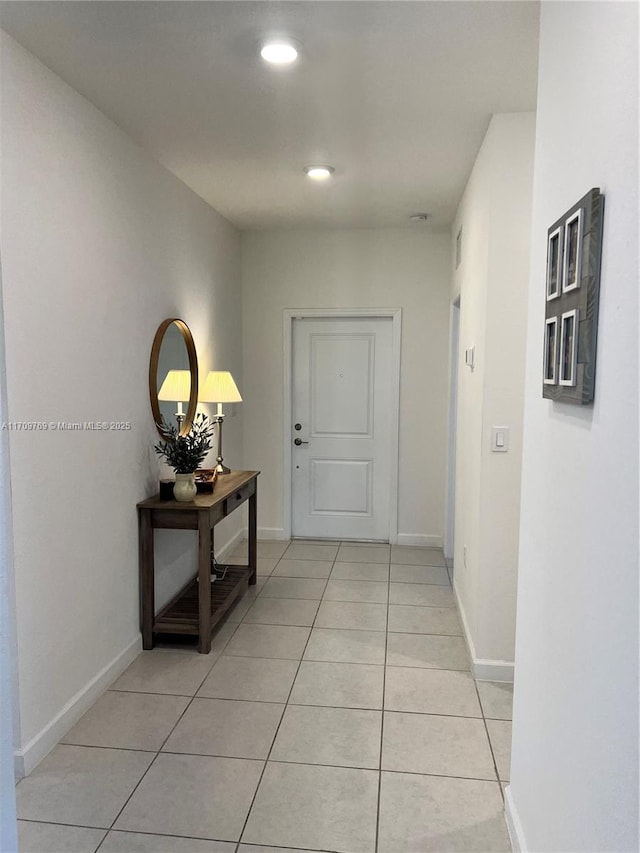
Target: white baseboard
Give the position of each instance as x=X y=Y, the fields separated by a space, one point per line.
x=465 y=625
x=271 y=533
x=514 y=826
x=493 y=670
x=482 y=668
x=422 y=540
x=27 y=758
x=415 y=539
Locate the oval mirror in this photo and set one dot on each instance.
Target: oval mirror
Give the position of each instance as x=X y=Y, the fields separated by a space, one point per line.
x=173 y=377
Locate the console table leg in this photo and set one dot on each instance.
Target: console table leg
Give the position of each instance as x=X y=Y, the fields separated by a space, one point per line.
x=253 y=535
x=147 y=579
x=204 y=585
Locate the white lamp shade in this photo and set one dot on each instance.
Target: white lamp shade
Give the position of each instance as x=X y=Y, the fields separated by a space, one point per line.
x=176 y=386
x=219 y=387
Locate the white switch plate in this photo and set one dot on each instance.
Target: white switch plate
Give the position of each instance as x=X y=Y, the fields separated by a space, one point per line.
x=470 y=357
x=500 y=439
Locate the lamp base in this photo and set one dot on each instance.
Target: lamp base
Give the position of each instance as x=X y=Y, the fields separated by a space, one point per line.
x=220 y=468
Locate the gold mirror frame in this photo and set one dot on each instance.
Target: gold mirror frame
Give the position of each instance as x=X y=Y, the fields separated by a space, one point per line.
x=187 y=337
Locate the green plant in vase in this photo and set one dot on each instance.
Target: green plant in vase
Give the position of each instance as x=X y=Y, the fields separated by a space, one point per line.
x=184 y=453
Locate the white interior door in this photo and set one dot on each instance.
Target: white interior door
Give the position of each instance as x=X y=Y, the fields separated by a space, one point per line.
x=341 y=427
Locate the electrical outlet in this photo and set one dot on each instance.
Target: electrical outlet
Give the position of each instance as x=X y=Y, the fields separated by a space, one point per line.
x=464 y=555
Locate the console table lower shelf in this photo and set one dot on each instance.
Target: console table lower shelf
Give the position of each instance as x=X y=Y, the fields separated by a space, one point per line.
x=181 y=614
x=200 y=604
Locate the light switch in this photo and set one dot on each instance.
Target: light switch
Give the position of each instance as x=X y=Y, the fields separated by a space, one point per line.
x=500 y=439
x=469 y=357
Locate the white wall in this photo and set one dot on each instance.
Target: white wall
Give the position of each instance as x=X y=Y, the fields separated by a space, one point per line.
x=351 y=269
x=491 y=280
x=574 y=774
x=9 y=727
x=100 y=244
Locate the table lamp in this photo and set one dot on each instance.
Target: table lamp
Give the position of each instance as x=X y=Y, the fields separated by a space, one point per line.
x=176 y=388
x=219 y=387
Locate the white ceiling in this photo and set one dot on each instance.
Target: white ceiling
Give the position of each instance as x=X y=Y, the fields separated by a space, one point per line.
x=396 y=95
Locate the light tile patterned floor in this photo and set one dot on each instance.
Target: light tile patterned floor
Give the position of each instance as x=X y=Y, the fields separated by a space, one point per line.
x=335 y=712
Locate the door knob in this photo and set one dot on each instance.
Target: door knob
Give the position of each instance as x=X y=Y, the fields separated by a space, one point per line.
x=299 y=441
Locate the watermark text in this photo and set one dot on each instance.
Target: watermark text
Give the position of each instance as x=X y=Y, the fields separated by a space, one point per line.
x=65 y=426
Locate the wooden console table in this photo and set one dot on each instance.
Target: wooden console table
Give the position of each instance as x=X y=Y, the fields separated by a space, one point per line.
x=199 y=605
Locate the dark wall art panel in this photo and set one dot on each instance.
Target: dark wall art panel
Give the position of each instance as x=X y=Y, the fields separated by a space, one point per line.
x=572 y=290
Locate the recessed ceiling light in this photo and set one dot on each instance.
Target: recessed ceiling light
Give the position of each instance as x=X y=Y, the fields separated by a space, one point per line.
x=419 y=217
x=279 y=52
x=319 y=173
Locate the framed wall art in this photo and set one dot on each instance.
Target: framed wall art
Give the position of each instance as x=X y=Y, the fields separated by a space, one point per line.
x=572 y=252
x=572 y=291
x=551 y=351
x=554 y=262
x=568 y=348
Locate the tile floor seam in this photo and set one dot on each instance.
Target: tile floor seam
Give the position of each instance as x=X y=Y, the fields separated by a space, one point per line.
x=438 y=606
x=443 y=776
x=284 y=711
x=430 y=668
x=356 y=630
x=360 y=580
x=305 y=763
x=421 y=634
x=217 y=698
x=214 y=755
x=419 y=566
x=280 y=847
x=426 y=634
x=440 y=668
x=246 y=701
x=493 y=753
x=384 y=687
x=114 y=748
x=152 y=692
x=60 y=823
x=128 y=800
x=256 y=657
x=352 y=662
x=486 y=729
x=165 y=835
x=433 y=606
x=292 y=597
x=392 y=711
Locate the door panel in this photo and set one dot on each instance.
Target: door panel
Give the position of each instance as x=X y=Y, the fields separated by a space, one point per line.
x=342 y=374
x=341 y=486
x=342 y=384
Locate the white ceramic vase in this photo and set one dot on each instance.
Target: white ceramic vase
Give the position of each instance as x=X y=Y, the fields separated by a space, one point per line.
x=184 y=488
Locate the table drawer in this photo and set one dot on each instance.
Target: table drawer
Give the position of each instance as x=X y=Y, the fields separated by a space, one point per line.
x=238 y=497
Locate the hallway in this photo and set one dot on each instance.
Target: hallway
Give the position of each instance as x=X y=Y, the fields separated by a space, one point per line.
x=278 y=738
